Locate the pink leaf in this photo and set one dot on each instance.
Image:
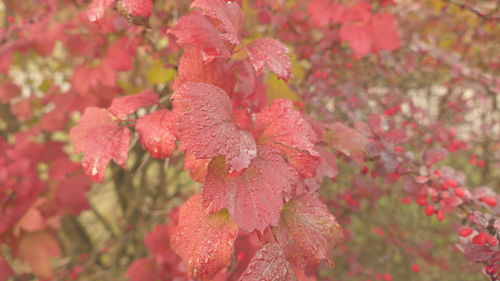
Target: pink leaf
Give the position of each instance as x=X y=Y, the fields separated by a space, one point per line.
x=96 y=10
x=254 y=198
x=142 y=270
x=100 y=139
x=358 y=36
x=269 y=264
x=37 y=249
x=204 y=241
x=323 y=12
x=281 y=124
x=227 y=13
x=205 y=126
x=157 y=133
x=270 y=54
x=195 y=30
x=434 y=155
x=123 y=106
x=136 y=11
x=5 y=270
x=307 y=231
x=384 y=33
x=197 y=167
x=348 y=141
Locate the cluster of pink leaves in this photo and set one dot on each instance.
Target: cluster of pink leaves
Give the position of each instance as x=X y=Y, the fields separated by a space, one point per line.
x=32 y=205
x=256 y=162
x=365 y=32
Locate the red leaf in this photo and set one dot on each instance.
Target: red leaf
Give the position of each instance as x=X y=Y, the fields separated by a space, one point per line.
x=96 y=10
x=37 y=249
x=100 y=139
x=205 y=126
x=195 y=30
x=8 y=91
x=70 y=194
x=193 y=68
x=197 y=167
x=142 y=270
x=123 y=106
x=281 y=124
x=204 y=241
x=136 y=11
x=5 y=270
x=307 y=231
x=478 y=253
x=323 y=12
x=228 y=14
x=358 y=36
x=270 y=54
x=157 y=133
x=269 y=264
x=158 y=243
x=348 y=141
x=254 y=198
x=434 y=155
x=327 y=168
x=395 y=136
x=384 y=32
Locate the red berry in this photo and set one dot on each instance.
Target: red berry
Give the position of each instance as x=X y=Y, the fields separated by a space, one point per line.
x=459 y=192
x=480 y=239
x=429 y=210
x=415 y=268
x=440 y=215
x=489 y=201
x=465 y=232
x=491 y=269
x=451 y=183
x=422 y=201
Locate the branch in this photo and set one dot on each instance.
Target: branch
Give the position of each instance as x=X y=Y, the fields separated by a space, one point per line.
x=474 y=10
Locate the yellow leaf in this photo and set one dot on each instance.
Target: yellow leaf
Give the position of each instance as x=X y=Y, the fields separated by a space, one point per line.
x=158 y=74
x=278 y=89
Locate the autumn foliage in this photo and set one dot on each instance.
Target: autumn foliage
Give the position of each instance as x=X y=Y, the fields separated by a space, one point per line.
x=150 y=140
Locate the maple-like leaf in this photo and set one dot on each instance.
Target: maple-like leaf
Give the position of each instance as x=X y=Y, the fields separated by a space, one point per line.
x=100 y=139
x=157 y=133
x=358 y=36
x=283 y=127
x=323 y=12
x=123 y=106
x=307 y=231
x=197 y=167
x=36 y=249
x=142 y=270
x=434 y=155
x=136 y=11
x=384 y=32
x=281 y=124
x=253 y=198
x=194 y=68
x=195 y=30
x=228 y=14
x=270 y=54
x=348 y=141
x=269 y=264
x=204 y=241
x=205 y=127
x=96 y=10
